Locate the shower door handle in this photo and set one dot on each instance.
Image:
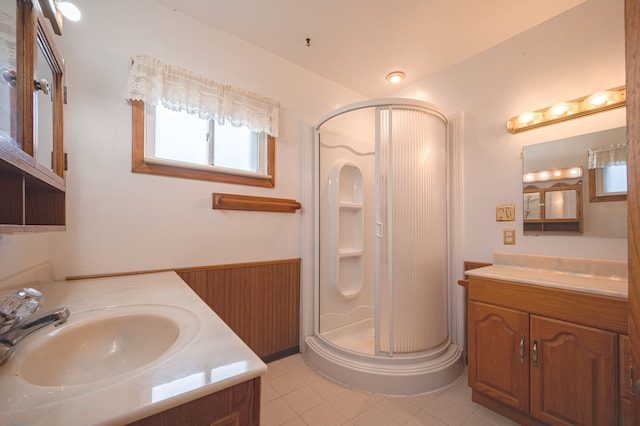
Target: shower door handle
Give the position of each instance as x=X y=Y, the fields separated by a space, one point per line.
x=380 y=232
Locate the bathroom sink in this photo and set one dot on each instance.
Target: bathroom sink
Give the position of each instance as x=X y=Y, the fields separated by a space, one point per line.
x=104 y=344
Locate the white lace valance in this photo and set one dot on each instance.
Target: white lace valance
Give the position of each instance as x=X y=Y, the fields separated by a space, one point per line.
x=613 y=155
x=178 y=89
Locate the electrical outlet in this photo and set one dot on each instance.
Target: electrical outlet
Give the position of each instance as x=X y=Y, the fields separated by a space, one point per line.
x=509 y=237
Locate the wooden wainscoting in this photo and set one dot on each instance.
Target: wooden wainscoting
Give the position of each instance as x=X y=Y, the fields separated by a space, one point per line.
x=260 y=302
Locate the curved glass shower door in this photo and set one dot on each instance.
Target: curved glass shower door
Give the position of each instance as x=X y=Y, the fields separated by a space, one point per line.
x=383 y=230
x=412 y=249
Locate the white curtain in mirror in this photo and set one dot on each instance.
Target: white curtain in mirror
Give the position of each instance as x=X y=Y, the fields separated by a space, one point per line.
x=613 y=155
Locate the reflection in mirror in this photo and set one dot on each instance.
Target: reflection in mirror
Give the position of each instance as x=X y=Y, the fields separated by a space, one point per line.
x=555 y=209
x=608 y=173
x=598 y=219
x=8 y=93
x=531 y=205
x=43 y=103
x=561 y=204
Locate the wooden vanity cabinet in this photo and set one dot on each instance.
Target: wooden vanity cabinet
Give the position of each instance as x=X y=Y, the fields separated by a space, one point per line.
x=238 y=405
x=545 y=356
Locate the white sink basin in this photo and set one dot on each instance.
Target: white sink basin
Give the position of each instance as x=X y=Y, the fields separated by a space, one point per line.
x=104 y=344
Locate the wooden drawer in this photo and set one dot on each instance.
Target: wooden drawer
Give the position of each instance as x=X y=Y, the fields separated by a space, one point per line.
x=594 y=310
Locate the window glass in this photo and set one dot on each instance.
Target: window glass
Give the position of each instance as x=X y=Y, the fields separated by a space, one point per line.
x=614 y=179
x=186 y=138
x=8 y=71
x=180 y=136
x=236 y=148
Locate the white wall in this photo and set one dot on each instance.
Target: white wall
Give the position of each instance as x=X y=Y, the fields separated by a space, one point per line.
x=572 y=55
x=121 y=221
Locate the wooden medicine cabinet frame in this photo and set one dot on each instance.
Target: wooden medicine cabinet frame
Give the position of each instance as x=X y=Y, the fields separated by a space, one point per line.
x=548 y=225
x=33 y=191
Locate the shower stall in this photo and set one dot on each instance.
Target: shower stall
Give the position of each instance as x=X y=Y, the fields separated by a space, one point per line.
x=381 y=314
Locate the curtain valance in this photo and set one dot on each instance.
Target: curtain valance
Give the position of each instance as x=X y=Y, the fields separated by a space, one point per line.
x=613 y=155
x=178 y=89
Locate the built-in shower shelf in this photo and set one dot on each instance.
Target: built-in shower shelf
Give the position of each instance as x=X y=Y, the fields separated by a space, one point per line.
x=349 y=252
x=350 y=206
x=347 y=228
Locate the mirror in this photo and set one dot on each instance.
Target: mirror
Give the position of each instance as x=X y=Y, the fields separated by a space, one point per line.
x=43 y=108
x=561 y=204
x=8 y=71
x=598 y=219
x=556 y=209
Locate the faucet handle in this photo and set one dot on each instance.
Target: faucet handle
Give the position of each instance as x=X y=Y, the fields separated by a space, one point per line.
x=20 y=303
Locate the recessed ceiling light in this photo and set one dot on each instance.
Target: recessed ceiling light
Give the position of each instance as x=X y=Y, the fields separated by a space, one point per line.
x=395 y=77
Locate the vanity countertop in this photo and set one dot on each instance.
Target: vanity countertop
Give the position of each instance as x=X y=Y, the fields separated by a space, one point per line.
x=606 y=286
x=213 y=360
x=602 y=277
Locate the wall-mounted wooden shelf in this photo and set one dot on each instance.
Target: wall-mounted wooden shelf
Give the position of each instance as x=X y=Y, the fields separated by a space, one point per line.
x=251 y=203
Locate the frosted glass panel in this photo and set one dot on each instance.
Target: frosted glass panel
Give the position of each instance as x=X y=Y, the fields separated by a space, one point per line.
x=413 y=294
x=383 y=230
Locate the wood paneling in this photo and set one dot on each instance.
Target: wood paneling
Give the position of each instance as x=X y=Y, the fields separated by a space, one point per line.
x=259 y=301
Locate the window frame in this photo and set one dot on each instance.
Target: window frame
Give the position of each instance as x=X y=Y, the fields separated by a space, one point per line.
x=594 y=181
x=139 y=165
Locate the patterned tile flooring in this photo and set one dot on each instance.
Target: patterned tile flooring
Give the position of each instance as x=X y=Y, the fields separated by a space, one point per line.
x=293 y=394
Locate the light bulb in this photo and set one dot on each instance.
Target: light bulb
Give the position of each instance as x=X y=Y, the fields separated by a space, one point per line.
x=395 y=77
x=69 y=10
x=598 y=99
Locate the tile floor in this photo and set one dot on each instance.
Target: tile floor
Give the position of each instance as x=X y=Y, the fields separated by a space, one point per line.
x=293 y=394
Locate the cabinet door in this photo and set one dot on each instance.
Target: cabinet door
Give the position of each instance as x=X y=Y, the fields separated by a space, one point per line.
x=574 y=380
x=498 y=355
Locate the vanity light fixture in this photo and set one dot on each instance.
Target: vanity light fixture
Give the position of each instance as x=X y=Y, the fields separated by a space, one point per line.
x=590 y=104
x=557 y=174
x=68 y=10
x=395 y=77
x=55 y=10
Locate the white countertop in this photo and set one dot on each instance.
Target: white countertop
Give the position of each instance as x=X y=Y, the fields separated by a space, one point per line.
x=214 y=360
x=587 y=283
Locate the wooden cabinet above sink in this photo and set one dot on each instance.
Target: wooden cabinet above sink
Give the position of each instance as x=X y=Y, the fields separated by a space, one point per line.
x=32 y=183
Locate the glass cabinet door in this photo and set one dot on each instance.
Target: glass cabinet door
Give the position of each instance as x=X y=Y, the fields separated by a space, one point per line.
x=8 y=71
x=43 y=109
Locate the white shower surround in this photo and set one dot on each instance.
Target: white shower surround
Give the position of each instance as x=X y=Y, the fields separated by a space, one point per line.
x=421 y=368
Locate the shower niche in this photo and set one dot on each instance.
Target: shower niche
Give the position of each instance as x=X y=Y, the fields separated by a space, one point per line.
x=347 y=223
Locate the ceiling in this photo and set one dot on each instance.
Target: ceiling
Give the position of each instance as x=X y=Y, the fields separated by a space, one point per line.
x=357 y=42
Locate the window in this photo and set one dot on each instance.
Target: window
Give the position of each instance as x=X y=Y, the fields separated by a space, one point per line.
x=608 y=183
x=608 y=173
x=182 y=139
x=182 y=145
x=189 y=126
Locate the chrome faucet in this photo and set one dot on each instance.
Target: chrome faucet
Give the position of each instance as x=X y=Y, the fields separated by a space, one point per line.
x=16 y=322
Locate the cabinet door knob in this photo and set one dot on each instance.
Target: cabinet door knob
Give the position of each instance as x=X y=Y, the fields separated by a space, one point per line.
x=535 y=354
x=43 y=85
x=522 y=350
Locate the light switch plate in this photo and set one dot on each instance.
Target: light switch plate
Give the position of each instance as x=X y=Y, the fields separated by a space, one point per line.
x=509 y=237
x=506 y=213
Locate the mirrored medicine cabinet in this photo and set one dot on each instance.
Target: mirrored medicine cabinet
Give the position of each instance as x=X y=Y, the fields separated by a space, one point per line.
x=32 y=183
x=562 y=193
